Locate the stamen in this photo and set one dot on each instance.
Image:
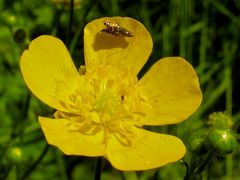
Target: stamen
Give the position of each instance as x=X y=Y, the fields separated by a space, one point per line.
x=107 y=98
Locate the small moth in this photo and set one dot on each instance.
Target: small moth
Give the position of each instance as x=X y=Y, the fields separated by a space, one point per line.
x=115 y=29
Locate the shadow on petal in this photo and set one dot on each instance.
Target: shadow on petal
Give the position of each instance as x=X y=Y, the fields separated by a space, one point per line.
x=105 y=41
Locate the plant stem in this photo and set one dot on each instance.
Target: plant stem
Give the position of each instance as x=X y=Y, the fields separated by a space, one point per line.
x=98 y=168
x=61 y=165
x=80 y=27
x=70 y=23
x=198 y=166
x=204 y=163
x=34 y=165
x=229 y=52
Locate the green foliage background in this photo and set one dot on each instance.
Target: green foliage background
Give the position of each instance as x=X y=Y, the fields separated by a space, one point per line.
x=206 y=33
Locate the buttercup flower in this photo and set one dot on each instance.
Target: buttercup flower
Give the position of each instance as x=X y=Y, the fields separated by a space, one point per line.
x=102 y=108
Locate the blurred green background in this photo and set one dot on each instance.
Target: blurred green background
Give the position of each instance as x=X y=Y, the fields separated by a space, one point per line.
x=206 y=33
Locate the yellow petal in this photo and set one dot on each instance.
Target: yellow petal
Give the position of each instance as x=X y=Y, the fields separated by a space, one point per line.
x=172 y=89
x=102 y=48
x=147 y=150
x=61 y=133
x=48 y=70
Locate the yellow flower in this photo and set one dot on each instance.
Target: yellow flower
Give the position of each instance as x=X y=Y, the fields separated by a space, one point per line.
x=101 y=109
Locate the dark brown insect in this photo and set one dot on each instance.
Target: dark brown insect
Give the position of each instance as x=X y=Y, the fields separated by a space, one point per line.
x=115 y=29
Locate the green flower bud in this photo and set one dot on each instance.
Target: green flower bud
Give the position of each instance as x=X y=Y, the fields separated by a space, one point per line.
x=220 y=120
x=15 y=155
x=197 y=141
x=222 y=141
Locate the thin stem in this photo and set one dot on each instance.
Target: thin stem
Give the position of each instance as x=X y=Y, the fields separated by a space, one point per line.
x=61 y=165
x=98 y=169
x=204 y=35
x=70 y=23
x=80 y=27
x=204 y=163
x=35 y=164
x=6 y=172
x=187 y=169
x=24 y=115
x=229 y=52
x=19 y=128
x=198 y=166
x=56 y=19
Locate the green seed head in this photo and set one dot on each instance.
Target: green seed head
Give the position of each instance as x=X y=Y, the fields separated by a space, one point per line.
x=222 y=141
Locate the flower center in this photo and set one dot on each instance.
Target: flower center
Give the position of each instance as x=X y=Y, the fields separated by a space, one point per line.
x=107 y=98
x=107 y=102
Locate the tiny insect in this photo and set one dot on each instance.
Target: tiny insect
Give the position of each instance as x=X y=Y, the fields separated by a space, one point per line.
x=115 y=29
